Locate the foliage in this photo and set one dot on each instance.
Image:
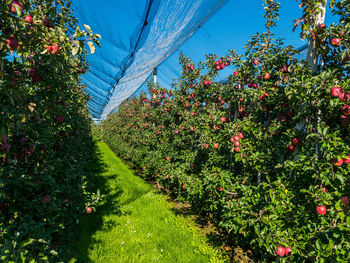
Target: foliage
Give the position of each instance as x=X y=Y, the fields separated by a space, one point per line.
x=262 y=187
x=46 y=143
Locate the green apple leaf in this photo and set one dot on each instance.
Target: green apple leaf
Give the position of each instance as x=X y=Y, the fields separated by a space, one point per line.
x=92 y=47
x=88 y=28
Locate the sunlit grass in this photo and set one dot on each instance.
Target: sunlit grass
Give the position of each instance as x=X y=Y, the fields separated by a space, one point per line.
x=135 y=224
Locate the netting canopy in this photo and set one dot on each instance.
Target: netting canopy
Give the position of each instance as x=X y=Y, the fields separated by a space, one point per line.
x=136 y=37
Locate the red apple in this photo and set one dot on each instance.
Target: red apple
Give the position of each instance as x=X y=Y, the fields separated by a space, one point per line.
x=191 y=129
x=344 y=121
x=256 y=62
x=296 y=141
x=346 y=160
x=284 y=69
x=337 y=162
x=281 y=118
x=267 y=76
x=335 y=42
x=236 y=138
x=232 y=140
x=240 y=135
x=236 y=144
x=54 y=48
x=344 y=96
x=46 y=199
x=30 y=150
x=59 y=118
x=291 y=148
x=36 y=78
x=168 y=158
x=237 y=149
x=28 y=19
x=34 y=75
x=336 y=91
x=235 y=73
x=12 y=42
x=321 y=210
x=223 y=119
x=324 y=189
x=216 y=145
x=88 y=210
x=281 y=251
x=288 y=250
x=13 y=5
x=345 y=200
x=46 y=22
x=322 y=26
x=184 y=187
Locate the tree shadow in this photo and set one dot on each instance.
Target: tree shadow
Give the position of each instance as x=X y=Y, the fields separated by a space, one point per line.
x=113 y=203
x=214 y=236
x=89 y=224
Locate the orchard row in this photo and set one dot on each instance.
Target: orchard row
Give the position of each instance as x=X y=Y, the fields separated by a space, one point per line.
x=46 y=146
x=264 y=155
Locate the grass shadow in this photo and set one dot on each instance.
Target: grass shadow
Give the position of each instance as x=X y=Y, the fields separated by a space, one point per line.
x=113 y=180
x=110 y=177
x=217 y=238
x=89 y=224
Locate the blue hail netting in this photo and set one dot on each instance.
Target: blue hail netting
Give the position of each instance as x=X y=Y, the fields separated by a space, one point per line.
x=136 y=37
x=130 y=48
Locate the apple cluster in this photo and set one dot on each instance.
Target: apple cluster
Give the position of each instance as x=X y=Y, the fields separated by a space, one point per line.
x=221 y=64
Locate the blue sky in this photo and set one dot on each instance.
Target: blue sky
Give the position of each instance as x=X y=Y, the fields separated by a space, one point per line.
x=232 y=25
x=230 y=28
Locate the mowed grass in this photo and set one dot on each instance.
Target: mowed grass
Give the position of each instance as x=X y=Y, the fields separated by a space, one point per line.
x=134 y=223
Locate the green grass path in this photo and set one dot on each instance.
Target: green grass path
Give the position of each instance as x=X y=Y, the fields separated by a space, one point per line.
x=134 y=223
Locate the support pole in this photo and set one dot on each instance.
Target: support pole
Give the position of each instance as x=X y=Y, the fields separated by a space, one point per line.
x=312 y=54
x=312 y=59
x=155 y=75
